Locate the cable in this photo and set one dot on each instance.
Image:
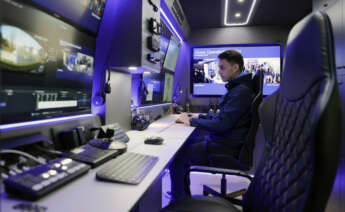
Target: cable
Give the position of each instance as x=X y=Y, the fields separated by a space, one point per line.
x=10 y=151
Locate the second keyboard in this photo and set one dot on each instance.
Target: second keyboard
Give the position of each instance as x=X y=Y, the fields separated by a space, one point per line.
x=129 y=168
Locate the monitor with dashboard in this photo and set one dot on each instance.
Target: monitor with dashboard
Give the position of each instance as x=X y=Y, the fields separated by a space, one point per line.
x=206 y=81
x=46 y=65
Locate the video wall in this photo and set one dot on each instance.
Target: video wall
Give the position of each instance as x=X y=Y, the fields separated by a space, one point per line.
x=205 y=78
x=46 y=65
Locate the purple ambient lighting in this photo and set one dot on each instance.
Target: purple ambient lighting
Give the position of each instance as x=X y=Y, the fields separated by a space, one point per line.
x=153 y=106
x=41 y=122
x=164 y=10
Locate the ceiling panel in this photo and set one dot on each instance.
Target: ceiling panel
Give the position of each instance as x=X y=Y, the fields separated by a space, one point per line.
x=209 y=13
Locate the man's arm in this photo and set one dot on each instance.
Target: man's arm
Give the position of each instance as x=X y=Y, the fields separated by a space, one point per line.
x=238 y=104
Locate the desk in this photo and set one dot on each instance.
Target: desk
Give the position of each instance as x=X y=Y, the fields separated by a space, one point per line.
x=88 y=194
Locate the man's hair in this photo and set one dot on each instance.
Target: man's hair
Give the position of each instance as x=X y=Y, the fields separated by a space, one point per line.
x=233 y=57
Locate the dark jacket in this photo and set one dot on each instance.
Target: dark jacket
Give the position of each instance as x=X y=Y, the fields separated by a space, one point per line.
x=232 y=122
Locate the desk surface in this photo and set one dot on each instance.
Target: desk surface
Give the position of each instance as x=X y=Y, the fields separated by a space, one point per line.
x=88 y=194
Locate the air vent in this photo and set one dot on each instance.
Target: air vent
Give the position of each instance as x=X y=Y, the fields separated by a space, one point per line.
x=177 y=10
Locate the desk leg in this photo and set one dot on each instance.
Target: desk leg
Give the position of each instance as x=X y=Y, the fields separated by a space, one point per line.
x=151 y=201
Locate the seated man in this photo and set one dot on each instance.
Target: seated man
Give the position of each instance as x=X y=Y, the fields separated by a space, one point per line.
x=226 y=129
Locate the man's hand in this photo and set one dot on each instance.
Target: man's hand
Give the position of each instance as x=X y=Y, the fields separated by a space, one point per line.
x=184 y=118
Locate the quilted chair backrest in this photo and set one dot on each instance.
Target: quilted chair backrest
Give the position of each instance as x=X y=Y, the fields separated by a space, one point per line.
x=302 y=126
x=246 y=154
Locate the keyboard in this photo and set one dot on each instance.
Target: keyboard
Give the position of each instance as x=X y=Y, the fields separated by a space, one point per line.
x=92 y=155
x=129 y=168
x=39 y=181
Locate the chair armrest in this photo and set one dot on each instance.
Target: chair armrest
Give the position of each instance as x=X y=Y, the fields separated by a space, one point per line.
x=212 y=170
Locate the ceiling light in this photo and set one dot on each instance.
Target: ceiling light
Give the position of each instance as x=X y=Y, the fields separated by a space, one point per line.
x=238 y=15
x=242 y=23
x=240 y=1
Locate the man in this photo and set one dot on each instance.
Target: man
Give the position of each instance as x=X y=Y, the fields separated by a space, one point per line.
x=227 y=129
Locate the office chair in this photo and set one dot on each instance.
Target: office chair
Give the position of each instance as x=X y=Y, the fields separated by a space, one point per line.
x=220 y=162
x=302 y=126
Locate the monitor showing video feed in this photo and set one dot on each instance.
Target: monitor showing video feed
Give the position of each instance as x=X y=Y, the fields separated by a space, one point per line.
x=172 y=54
x=168 y=87
x=205 y=78
x=151 y=89
x=46 y=66
x=85 y=13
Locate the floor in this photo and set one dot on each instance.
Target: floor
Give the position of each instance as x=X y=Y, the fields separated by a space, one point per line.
x=200 y=179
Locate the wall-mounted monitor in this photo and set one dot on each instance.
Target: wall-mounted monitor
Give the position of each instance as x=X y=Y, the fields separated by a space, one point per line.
x=168 y=87
x=205 y=78
x=172 y=54
x=85 y=13
x=46 y=66
x=164 y=43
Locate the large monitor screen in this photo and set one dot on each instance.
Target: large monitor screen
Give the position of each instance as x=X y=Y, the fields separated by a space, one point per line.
x=151 y=89
x=86 y=13
x=46 y=66
x=172 y=54
x=205 y=79
x=168 y=87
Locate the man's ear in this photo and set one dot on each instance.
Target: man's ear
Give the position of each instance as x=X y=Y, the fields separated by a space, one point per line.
x=236 y=67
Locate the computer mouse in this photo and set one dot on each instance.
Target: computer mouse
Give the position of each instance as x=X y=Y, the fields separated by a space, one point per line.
x=154 y=140
x=178 y=121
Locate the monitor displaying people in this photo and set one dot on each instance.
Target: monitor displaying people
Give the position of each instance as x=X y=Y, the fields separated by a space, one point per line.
x=206 y=80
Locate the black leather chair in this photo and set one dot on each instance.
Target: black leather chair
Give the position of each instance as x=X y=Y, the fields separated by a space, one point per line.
x=223 y=164
x=303 y=127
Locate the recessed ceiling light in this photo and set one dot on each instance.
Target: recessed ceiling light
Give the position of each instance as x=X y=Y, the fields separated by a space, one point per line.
x=240 y=1
x=238 y=15
x=248 y=17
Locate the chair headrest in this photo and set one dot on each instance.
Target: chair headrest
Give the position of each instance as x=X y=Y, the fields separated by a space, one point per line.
x=257 y=82
x=305 y=66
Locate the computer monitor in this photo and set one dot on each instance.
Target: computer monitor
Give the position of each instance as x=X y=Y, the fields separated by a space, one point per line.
x=168 y=87
x=46 y=66
x=164 y=43
x=206 y=81
x=85 y=13
x=172 y=54
x=151 y=89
